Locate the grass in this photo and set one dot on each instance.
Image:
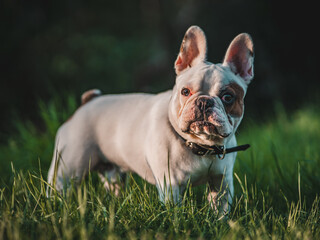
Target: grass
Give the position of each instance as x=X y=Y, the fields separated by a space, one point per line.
x=276 y=189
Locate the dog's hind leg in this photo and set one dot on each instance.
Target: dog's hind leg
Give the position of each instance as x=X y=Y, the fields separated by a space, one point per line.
x=71 y=162
x=111 y=177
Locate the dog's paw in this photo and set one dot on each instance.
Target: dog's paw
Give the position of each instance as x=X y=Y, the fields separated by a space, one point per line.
x=219 y=203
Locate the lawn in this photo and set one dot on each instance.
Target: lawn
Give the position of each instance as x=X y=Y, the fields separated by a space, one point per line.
x=277 y=186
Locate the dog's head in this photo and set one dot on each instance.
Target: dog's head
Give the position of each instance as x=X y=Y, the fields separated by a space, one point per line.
x=207 y=101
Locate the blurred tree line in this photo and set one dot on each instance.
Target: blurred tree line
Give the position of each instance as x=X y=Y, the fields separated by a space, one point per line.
x=53 y=48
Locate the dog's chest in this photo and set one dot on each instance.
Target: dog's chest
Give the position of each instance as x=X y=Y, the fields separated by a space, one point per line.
x=199 y=169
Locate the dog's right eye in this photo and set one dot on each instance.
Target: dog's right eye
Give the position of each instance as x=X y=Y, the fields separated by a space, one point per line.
x=185 y=92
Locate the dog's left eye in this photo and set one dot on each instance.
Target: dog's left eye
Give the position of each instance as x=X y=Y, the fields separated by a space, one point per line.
x=227 y=98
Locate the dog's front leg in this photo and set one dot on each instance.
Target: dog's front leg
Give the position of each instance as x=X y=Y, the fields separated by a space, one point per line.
x=220 y=193
x=169 y=192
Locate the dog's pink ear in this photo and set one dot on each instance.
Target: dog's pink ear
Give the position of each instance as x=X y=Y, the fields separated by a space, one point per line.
x=193 y=49
x=240 y=55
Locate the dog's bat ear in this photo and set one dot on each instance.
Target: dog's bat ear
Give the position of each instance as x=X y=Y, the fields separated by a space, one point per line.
x=239 y=57
x=193 y=49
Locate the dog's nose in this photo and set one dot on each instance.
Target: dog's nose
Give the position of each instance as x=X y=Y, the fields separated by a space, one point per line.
x=204 y=102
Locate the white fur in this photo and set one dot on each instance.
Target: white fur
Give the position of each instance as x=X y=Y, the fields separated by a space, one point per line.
x=141 y=133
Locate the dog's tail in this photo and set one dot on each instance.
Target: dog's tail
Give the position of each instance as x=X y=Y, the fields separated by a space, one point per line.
x=87 y=96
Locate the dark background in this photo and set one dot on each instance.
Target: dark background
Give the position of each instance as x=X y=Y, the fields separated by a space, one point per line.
x=50 y=49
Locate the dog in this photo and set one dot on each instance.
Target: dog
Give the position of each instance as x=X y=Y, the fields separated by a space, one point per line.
x=181 y=135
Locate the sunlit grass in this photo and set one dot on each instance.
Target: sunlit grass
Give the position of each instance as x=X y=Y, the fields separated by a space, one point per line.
x=276 y=189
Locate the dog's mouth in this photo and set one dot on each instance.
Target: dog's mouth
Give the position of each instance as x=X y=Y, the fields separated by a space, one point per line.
x=207 y=128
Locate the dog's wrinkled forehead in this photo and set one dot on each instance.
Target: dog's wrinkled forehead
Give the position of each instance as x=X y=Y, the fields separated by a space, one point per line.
x=207 y=78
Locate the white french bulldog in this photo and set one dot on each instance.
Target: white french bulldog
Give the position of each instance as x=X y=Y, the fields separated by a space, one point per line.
x=167 y=138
